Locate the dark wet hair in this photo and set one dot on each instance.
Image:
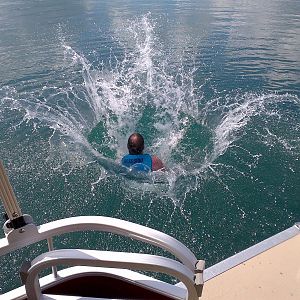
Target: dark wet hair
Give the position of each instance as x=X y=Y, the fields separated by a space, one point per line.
x=135 y=144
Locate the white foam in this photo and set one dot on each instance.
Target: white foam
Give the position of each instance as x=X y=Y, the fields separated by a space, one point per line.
x=119 y=93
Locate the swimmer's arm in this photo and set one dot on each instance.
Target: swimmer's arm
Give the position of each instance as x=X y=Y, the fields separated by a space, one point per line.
x=157 y=164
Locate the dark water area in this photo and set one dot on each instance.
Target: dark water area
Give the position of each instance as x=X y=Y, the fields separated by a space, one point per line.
x=214 y=88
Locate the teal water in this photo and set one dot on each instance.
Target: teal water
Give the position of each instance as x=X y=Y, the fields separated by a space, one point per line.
x=214 y=88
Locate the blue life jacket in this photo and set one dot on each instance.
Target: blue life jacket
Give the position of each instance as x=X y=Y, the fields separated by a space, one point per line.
x=140 y=162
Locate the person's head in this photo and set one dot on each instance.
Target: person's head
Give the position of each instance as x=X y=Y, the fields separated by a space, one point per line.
x=135 y=144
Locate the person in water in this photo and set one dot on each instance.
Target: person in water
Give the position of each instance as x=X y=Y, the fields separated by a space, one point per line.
x=136 y=159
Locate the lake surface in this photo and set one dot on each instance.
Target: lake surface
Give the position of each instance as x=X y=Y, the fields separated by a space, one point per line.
x=214 y=88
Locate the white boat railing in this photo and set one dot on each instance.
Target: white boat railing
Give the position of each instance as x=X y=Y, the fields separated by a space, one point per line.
x=133 y=261
x=20 y=231
x=30 y=234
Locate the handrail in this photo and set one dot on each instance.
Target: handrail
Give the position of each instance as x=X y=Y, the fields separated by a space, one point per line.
x=80 y=257
x=100 y=223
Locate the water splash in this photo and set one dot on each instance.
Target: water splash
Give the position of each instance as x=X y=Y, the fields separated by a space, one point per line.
x=93 y=113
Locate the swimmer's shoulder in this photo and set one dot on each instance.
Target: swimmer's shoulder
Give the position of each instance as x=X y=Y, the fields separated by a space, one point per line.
x=157 y=164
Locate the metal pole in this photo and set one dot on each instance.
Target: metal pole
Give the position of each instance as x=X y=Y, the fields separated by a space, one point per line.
x=7 y=195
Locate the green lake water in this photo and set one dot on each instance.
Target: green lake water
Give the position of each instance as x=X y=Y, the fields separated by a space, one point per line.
x=214 y=88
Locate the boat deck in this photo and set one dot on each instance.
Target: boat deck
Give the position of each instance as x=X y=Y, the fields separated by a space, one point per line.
x=273 y=274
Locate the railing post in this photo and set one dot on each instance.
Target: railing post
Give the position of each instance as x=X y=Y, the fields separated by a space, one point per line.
x=51 y=248
x=199 y=282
